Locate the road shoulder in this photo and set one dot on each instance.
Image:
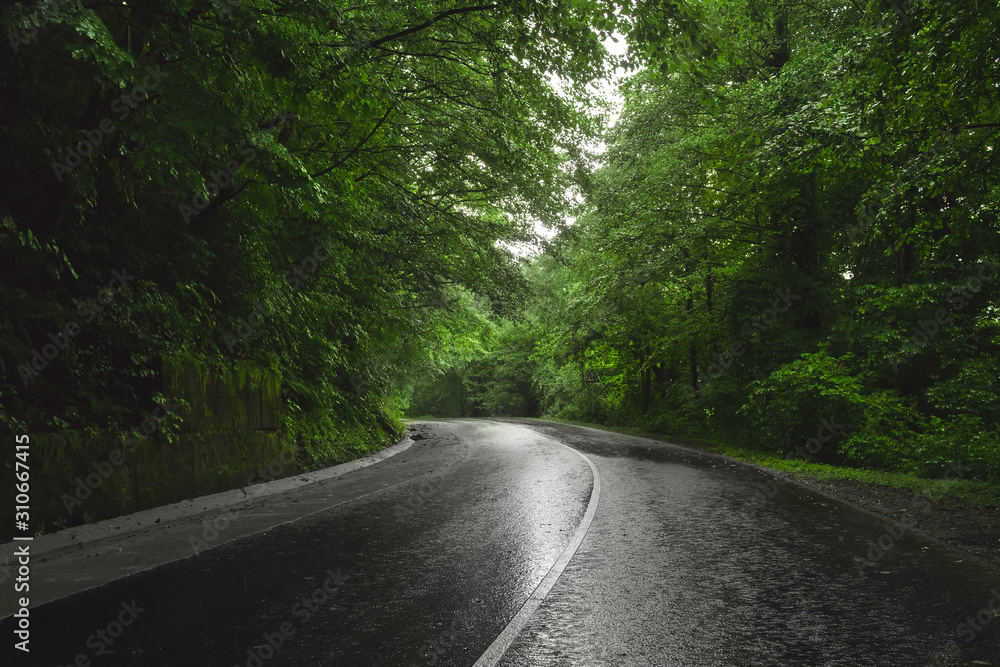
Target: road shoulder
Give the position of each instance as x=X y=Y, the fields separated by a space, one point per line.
x=967 y=527
x=84 y=557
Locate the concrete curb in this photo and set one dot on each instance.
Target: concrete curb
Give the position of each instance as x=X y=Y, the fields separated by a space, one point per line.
x=71 y=537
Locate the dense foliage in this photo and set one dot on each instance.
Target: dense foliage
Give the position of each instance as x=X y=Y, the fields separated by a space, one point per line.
x=314 y=188
x=793 y=241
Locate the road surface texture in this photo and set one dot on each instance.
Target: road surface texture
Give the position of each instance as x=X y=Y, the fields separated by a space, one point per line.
x=519 y=544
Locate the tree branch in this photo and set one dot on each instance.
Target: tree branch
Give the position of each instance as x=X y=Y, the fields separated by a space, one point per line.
x=411 y=30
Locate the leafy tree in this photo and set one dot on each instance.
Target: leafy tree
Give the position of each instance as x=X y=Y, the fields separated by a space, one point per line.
x=795 y=222
x=304 y=187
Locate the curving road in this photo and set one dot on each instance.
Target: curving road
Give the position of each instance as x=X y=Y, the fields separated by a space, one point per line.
x=500 y=543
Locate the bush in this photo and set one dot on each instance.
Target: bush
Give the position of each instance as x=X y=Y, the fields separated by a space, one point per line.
x=816 y=396
x=963 y=439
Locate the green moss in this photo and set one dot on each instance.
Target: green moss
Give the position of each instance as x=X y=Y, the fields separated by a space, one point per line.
x=233 y=427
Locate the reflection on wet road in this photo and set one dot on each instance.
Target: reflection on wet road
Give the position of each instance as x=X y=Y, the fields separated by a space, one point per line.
x=426 y=572
x=683 y=565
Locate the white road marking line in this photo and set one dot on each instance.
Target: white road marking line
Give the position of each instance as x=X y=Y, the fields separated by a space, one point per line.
x=496 y=650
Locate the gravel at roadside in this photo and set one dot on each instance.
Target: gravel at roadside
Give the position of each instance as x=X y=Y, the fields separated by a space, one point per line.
x=974 y=530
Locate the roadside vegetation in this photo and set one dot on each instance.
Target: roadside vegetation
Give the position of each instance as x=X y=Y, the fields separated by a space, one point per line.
x=957 y=489
x=314 y=218
x=791 y=249
x=282 y=207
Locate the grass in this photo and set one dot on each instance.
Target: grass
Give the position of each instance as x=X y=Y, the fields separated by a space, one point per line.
x=973 y=493
x=419 y=418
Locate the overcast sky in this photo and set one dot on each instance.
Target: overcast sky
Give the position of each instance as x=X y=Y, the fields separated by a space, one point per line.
x=608 y=89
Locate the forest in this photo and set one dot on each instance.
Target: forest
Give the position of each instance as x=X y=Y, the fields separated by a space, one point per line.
x=791 y=244
x=346 y=214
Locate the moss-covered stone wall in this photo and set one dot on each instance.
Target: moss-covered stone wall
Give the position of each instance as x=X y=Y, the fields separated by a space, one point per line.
x=217 y=430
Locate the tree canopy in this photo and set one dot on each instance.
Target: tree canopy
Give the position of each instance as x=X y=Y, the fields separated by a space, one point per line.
x=311 y=187
x=795 y=224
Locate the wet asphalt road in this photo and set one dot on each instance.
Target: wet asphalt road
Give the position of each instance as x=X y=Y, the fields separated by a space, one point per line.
x=685 y=564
